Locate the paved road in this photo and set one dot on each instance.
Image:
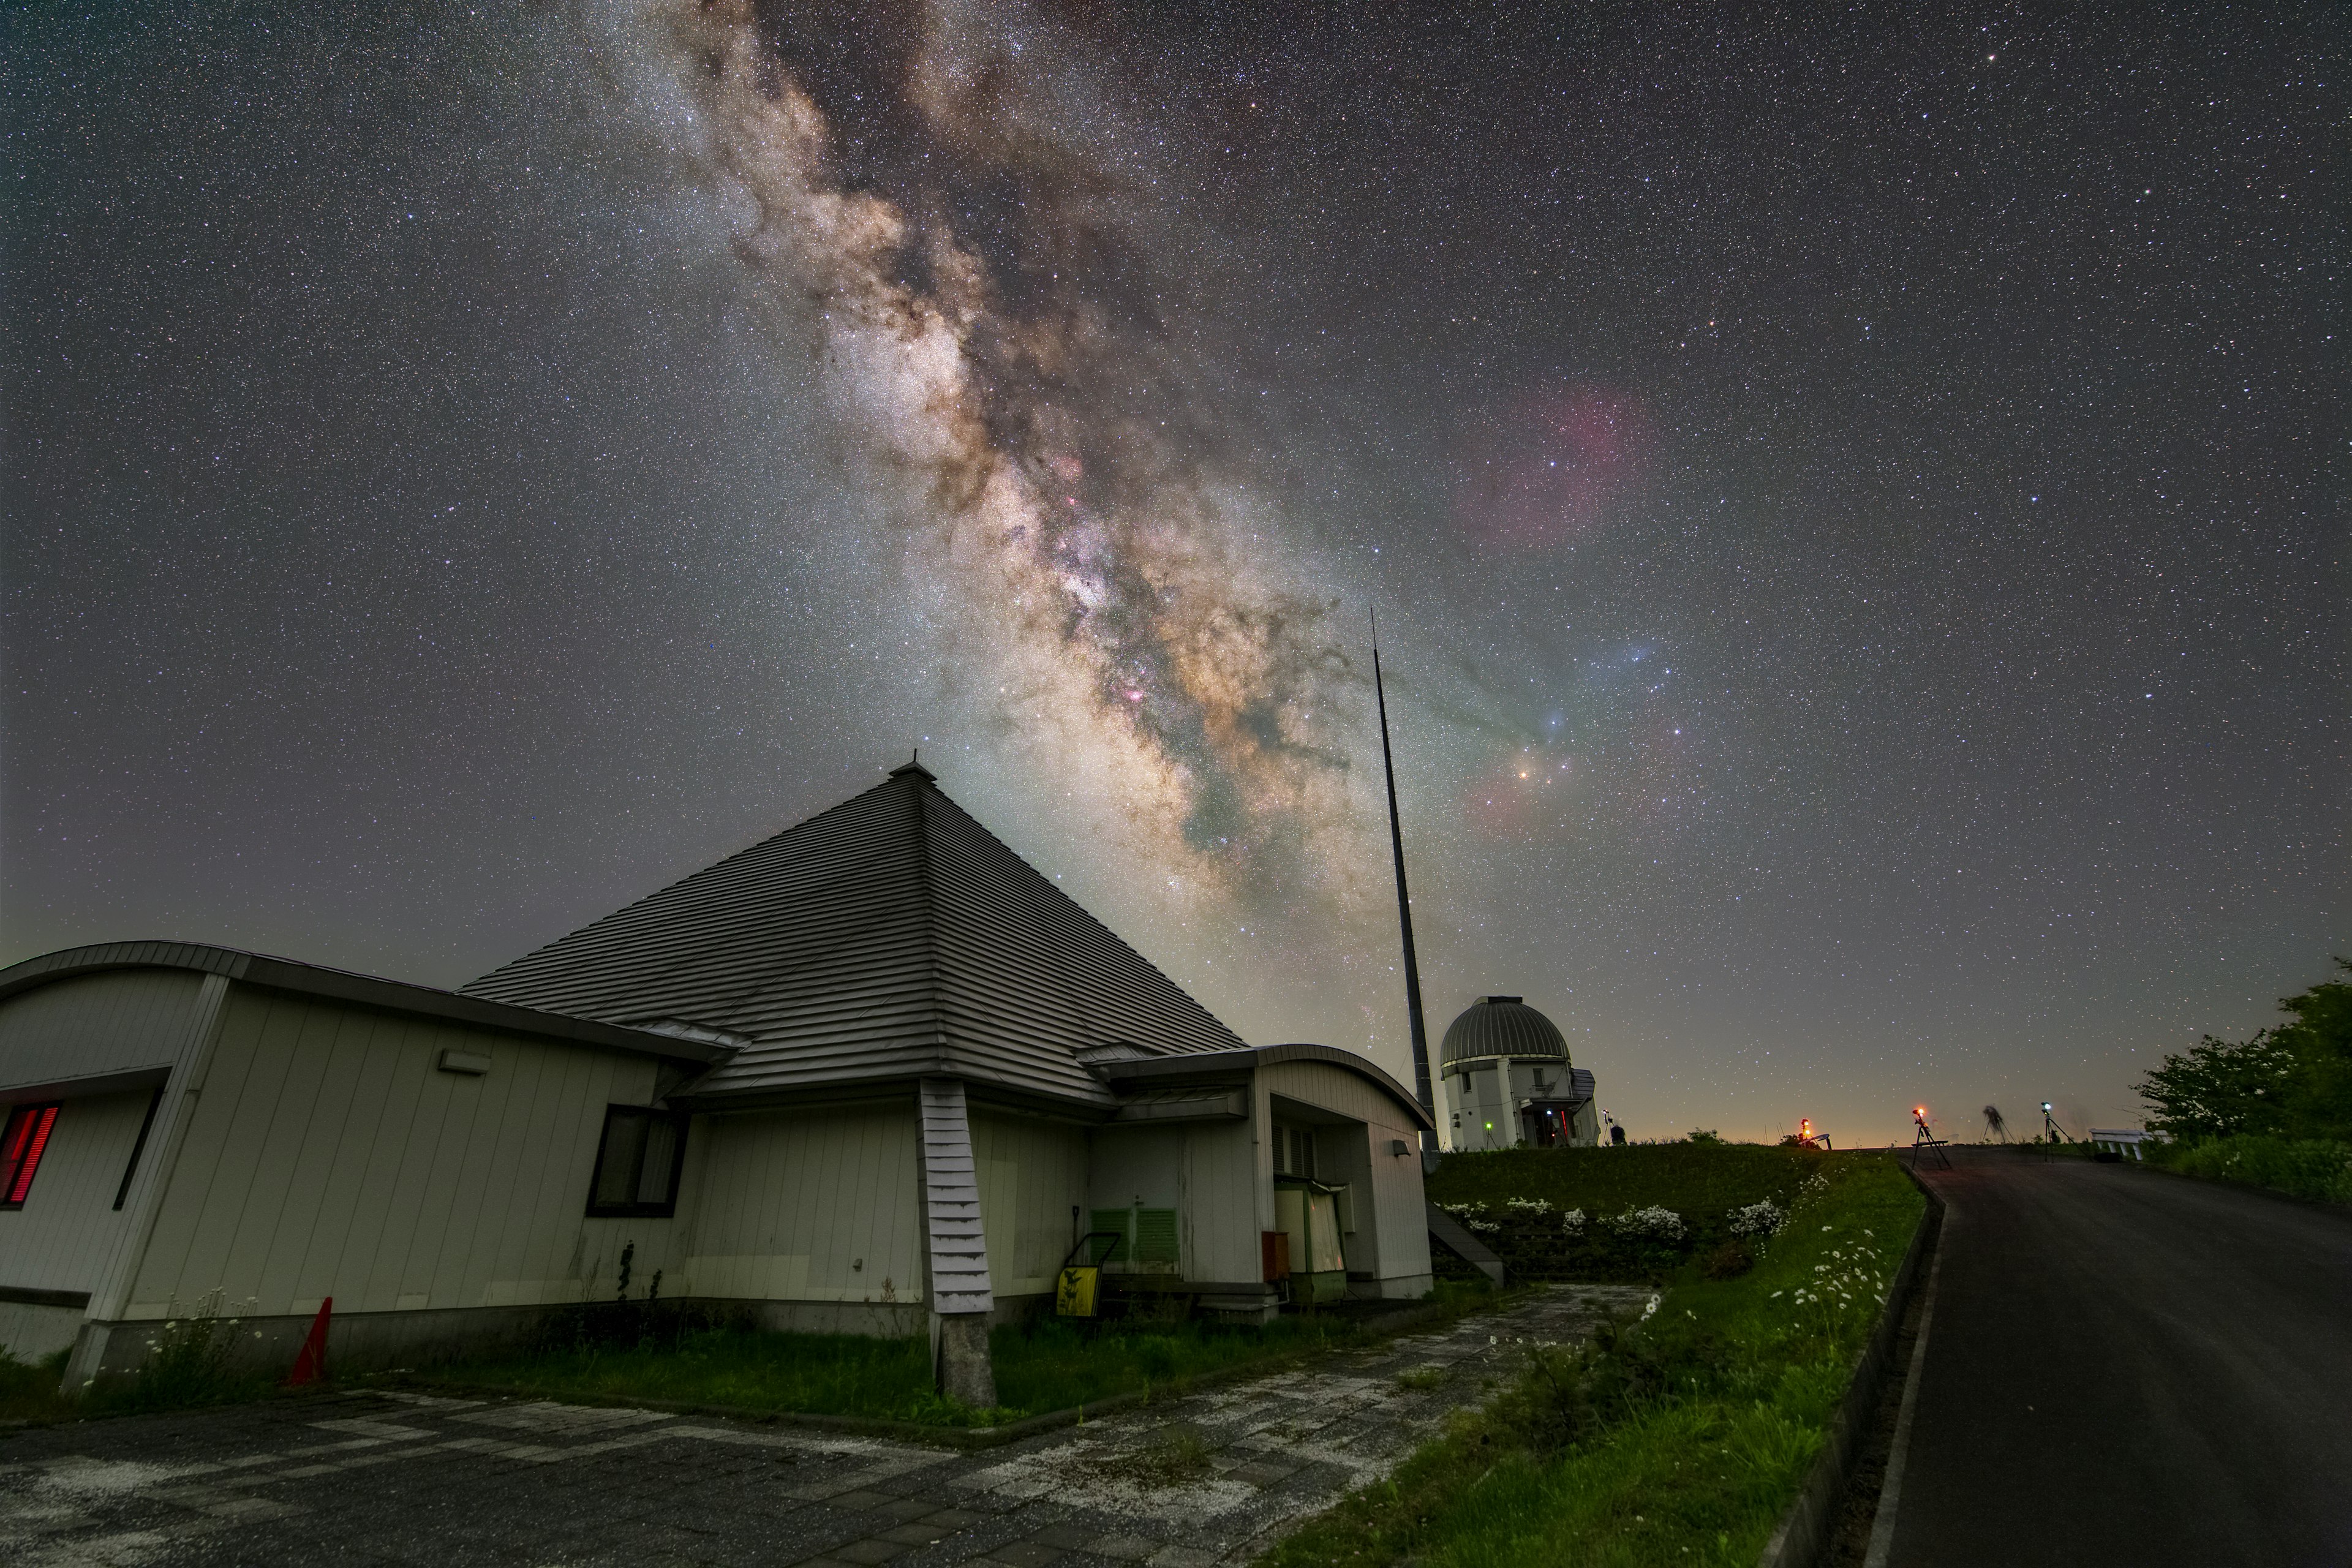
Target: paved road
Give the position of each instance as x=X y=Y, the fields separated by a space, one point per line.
x=2127 y=1367
x=379 y=1479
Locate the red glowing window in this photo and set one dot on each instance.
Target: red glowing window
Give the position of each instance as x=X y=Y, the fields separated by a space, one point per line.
x=21 y=1143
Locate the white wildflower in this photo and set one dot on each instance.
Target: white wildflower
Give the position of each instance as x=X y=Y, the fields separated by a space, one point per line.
x=1655 y=1223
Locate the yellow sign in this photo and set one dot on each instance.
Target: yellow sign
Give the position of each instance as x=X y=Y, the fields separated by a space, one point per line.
x=1074 y=1292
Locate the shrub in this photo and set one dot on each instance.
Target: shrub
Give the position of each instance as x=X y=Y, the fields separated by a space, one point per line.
x=1655 y=1223
x=1728 y=1261
x=2317 y=1169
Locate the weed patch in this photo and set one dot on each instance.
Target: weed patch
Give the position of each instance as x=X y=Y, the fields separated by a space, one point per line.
x=1680 y=1438
x=28 y=1390
x=687 y=1354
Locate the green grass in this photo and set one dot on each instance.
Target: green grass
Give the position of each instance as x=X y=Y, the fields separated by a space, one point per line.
x=2318 y=1168
x=1044 y=1365
x=1679 y=1440
x=28 y=1390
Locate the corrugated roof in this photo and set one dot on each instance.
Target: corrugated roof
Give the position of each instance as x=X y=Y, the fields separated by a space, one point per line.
x=890 y=937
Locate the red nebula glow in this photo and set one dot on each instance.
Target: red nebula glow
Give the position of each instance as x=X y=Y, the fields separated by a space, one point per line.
x=1530 y=792
x=1554 y=467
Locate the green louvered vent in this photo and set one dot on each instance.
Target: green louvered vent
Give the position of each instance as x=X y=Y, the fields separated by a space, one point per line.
x=1145 y=1236
x=1155 y=1235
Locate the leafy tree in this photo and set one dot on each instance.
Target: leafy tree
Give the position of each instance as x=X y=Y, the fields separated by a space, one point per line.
x=2293 y=1080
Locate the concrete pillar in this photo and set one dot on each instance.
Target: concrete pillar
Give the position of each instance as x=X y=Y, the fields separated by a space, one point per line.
x=966 y=1373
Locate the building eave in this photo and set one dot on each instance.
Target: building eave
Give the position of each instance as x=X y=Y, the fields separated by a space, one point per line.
x=1210 y=1064
x=313 y=980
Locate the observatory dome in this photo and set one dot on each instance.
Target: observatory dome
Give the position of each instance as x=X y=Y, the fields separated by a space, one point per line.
x=1500 y=1027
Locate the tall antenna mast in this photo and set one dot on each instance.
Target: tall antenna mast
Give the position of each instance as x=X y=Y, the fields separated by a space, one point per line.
x=1404 y=901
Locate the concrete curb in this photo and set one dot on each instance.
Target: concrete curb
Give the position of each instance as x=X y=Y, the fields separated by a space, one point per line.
x=1806 y=1530
x=1387 y=1324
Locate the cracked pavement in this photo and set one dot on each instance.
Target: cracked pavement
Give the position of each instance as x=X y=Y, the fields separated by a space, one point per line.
x=389 y=1477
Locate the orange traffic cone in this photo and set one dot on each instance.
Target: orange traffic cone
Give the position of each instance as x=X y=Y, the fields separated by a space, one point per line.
x=310 y=1366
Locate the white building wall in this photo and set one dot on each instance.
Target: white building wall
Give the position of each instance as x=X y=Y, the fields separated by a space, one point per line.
x=1395 y=1219
x=68 y=1227
x=1205 y=1172
x=1031 y=1173
x=819 y=1205
x=1482 y=1105
x=324 y=1154
x=76 y=1040
x=96 y=1024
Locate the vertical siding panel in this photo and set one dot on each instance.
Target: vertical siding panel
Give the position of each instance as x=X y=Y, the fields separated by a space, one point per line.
x=538 y=1233
x=465 y=1263
x=278 y=1093
x=342 y=1114
x=453 y=1106
x=408 y=1170
x=365 y=1174
x=502 y=1221
x=216 y=1165
x=569 y=1169
x=284 y=1208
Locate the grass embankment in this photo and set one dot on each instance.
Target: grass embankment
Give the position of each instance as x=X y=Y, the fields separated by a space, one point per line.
x=1679 y=1439
x=1044 y=1365
x=2317 y=1169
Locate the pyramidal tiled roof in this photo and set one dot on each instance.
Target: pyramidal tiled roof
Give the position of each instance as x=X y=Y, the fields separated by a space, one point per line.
x=888 y=937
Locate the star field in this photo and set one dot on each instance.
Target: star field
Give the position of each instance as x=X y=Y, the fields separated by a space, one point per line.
x=1853 y=502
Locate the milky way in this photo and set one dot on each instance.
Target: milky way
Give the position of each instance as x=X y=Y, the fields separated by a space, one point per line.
x=1849 y=500
x=987 y=302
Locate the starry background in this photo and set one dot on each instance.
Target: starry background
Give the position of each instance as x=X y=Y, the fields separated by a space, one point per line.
x=1855 y=501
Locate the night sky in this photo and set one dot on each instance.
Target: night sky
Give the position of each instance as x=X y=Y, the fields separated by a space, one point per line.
x=1855 y=501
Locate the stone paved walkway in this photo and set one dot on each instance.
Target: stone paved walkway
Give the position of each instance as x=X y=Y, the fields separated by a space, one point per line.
x=377 y=1478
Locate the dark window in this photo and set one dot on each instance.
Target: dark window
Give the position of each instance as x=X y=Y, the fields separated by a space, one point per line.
x=22 y=1143
x=139 y=1147
x=638 y=1164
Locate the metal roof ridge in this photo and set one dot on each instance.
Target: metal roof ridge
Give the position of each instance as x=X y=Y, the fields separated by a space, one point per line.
x=926 y=872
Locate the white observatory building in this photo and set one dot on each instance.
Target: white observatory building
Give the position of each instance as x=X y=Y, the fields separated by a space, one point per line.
x=1508 y=1082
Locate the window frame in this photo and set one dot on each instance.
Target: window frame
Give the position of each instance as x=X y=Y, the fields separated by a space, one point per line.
x=17 y=1185
x=666 y=1208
